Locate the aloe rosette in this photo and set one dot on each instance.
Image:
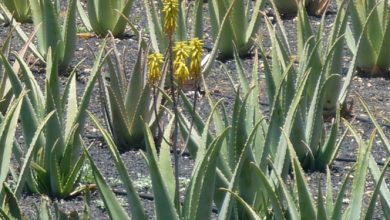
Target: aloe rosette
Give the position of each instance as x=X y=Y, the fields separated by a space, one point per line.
x=52 y=32
x=244 y=21
x=106 y=16
x=126 y=102
x=55 y=168
x=20 y=9
x=370 y=20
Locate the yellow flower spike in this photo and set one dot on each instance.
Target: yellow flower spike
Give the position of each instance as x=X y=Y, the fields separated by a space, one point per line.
x=170 y=10
x=181 y=72
x=196 y=53
x=181 y=50
x=154 y=66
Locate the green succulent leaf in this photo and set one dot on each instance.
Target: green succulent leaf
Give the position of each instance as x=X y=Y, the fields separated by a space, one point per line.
x=164 y=205
x=113 y=206
x=132 y=196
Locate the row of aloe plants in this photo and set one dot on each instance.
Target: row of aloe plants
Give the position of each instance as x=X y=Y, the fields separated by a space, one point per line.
x=51 y=173
x=245 y=20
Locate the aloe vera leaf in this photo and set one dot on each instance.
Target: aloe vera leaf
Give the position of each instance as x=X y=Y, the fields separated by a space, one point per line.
x=277 y=119
x=195 y=140
x=384 y=191
x=306 y=203
x=114 y=208
x=218 y=40
x=288 y=125
x=93 y=17
x=164 y=160
x=83 y=16
x=328 y=151
x=53 y=102
x=50 y=31
x=132 y=195
x=21 y=33
x=7 y=135
x=25 y=168
x=289 y=199
x=271 y=192
x=255 y=21
x=250 y=210
x=141 y=109
x=227 y=205
x=120 y=24
x=159 y=43
x=181 y=26
x=119 y=123
x=69 y=100
x=164 y=205
x=304 y=31
x=105 y=15
x=206 y=135
x=69 y=34
x=197 y=120
x=199 y=196
x=135 y=88
x=28 y=114
x=67 y=162
x=371 y=207
x=70 y=179
x=238 y=23
x=365 y=44
x=321 y=208
x=12 y=202
x=383 y=60
x=35 y=94
x=197 y=18
x=358 y=182
x=81 y=112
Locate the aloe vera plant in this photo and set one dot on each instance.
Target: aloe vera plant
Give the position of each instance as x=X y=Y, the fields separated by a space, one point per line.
x=107 y=16
x=125 y=102
x=7 y=132
x=288 y=89
x=320 y=63
x=246 y=142
x=5 y=87
x=372 y=19
x=198 y=193
x=295 y=201
x=55 y=169
x=243 y=23
x=19 y=9
x=52 y=32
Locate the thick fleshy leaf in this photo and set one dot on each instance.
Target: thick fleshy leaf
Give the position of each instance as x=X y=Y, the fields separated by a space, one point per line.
x=306 y=203
x=113 y=206
x=359 y=180
x=7 y=135
x=28 y=157
x=132 y=195
x=164 y=160
x=199 y=195
x=164 y=205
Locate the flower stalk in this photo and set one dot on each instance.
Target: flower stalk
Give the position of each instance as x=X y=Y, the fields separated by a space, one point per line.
x=170 y=11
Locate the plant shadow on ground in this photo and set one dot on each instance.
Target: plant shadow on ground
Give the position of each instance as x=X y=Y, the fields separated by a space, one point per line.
x=375 y=91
